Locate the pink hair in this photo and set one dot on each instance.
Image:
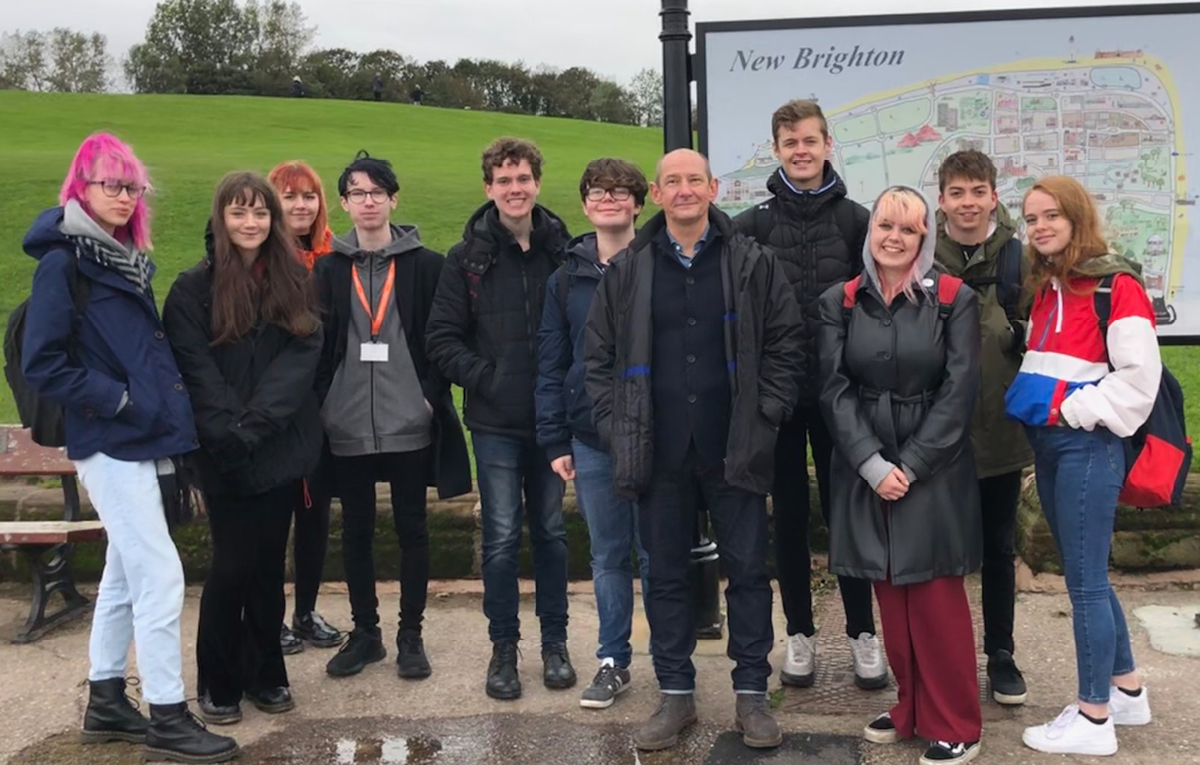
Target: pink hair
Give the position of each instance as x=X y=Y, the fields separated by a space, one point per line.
x=904 y=207
x=102 y=156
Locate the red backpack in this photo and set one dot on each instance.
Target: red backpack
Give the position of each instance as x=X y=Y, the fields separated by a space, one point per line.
x=947 y=290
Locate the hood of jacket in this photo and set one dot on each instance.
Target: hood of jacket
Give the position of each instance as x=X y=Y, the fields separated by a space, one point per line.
x=583 y=257
x=928 y=242
x=54 y=226
x=404 y=239
x=484 y=225
x=1110 y=264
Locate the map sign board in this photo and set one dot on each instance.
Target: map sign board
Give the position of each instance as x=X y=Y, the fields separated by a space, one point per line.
x=1108 y=95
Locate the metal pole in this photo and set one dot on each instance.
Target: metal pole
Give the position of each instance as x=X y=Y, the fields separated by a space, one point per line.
x=677 y=76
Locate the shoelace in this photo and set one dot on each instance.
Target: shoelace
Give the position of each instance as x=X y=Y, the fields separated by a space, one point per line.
x=1063 y=721
x=606 y=677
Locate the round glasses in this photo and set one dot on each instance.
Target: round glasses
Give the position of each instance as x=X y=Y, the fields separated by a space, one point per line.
x=113 y=189
x=619 y=193
x=358 y=196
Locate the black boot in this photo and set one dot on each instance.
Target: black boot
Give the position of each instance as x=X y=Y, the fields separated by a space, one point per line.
x=503 y=679
x=176 y=735
x=110 y=715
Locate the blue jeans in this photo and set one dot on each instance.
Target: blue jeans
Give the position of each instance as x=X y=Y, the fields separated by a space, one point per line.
x=507 y=466
x=613 y=531
x=1079 y=476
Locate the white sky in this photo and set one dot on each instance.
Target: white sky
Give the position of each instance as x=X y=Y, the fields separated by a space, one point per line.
x=615 y=38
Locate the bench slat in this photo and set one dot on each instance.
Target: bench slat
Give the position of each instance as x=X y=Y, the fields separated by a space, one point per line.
x=49 y=532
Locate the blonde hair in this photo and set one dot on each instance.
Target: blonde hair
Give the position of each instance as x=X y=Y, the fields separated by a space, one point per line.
x=903 y=207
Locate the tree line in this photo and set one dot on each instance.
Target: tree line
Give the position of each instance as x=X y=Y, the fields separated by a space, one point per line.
x=211 y=47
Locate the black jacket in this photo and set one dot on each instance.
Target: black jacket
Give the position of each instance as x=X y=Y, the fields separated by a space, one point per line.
x=902 y=383
x=805 y=231
x=417 y=275
x=764 y=344
x=256 y=413
x=484 y=323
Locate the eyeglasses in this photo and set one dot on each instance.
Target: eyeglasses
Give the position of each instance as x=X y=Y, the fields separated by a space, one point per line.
x=113 y=189
x=618 y=193
x=358 y=196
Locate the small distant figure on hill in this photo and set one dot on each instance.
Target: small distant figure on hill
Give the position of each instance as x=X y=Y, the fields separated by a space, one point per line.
x=297 y=87
x=377 y=87
x=416 y=95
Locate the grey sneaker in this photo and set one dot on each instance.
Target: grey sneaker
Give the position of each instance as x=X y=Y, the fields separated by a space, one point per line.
x=610 y=681
x=870 y=671
x=758 y=728
x=675 y=713
x=800 y=664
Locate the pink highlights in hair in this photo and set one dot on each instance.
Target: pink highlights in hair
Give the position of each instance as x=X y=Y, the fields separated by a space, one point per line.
x=102 y=156
x=904 y=207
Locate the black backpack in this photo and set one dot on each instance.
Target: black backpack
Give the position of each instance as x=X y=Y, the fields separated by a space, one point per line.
x=1007 y=280
x=43 y=418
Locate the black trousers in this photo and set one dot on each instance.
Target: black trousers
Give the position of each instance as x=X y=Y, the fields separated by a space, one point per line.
x=311 y=537
x=791 y=507
x=406 y=472
x=998 y=497
x=237 y=641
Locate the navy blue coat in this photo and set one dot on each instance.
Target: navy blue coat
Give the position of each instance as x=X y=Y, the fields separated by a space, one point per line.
x=121 y=346
x=563 y=407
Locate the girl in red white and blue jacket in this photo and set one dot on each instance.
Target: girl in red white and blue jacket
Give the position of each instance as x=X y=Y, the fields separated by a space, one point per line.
x=1079 y=393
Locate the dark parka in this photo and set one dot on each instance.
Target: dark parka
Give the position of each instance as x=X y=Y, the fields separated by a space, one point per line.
x=256 y=411
x=901 y=382
x=486 y=313
x=417 y=275
x=803 y=230
x=764 y=345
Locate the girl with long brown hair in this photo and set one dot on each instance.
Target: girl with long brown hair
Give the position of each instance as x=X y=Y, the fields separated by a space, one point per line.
x=243 y=326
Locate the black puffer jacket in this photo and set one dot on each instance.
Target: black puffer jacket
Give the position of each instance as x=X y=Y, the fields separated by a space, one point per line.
x=764 y=351
x=805 y=231
x=256 y=411
x=482 y=331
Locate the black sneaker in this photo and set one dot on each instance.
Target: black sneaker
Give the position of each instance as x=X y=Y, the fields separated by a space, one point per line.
x=557 y=672
x=289 y=641
x=1007 y=682
x=610 y=681
x=360 y=650
x=881 y=730
x=503 y=680
x=411 y=663
x=313 y=628
x=950 y=752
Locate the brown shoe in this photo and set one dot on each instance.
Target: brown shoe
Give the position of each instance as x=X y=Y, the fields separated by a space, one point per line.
x=754 y=721
x=675 y=712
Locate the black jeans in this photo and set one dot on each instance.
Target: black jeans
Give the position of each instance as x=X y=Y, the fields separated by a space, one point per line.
x=998 y=497
x=666 y=518
x=237 y=641
x=406 y=472
x=791 y=506
x=311 y=537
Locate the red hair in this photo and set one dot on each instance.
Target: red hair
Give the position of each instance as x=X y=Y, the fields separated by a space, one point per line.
x=300 y=178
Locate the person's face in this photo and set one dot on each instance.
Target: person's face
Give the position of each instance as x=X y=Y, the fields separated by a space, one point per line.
x=1048 y=229
x=801 y=150
x=112 y=210
x=683 y=188
x=894 y=244
x=968 y=204
x=300 y=209
x=248 y=225
x=614 y=208
x=513 y=189
x=368 y=204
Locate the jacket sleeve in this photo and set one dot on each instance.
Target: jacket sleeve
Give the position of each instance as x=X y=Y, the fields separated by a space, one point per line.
x=783 y=352
x=450 y=323
x=852 y=432
x=434 y=384
x=281 y=390
x=746 y=222
x=862 y=229
x=946 y=425
x=599 y=357
x=50 y=320
x=323 y=378
x=554 y=361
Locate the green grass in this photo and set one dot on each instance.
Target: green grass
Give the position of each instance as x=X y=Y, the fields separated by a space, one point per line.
x=189 y=142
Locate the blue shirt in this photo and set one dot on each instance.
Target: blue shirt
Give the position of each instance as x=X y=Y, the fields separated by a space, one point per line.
x=677 y=248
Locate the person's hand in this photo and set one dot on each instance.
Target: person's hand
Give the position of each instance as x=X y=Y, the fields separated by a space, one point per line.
x=894 y=487
x=565 y=467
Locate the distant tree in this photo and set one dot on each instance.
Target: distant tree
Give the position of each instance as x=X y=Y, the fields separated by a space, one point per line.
x=23 y=60
x=646 y=89
x=612 y=103
x=330 y=73
x=281 y=39
x=80 y=63
x=398 y=72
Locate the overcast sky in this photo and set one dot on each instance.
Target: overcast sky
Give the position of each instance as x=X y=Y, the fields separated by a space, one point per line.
x=615 y=38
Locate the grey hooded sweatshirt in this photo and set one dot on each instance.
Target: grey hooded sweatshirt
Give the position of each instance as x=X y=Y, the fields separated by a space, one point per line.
x=376 y=407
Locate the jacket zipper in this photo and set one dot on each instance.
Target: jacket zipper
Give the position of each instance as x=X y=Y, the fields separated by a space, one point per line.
x=371 y=366
x=530 y=331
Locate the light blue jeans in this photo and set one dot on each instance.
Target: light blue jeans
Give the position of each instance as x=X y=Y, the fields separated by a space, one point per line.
x=141 y=591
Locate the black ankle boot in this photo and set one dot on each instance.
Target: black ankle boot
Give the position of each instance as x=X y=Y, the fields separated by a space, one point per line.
x=176 y=735
x=110 y=714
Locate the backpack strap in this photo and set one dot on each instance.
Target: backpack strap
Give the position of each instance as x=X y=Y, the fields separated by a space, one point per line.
x=850 y=297
x=846 y=218
x=947 y=290
x=1007 y=279
x=1102 y=300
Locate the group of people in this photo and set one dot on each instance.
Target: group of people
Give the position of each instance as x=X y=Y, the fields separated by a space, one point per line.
x=687 y=361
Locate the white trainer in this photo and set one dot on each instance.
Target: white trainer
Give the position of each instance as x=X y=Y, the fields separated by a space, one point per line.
x=1072 y=733
x=870 y=670
x=800 y=664
x=1124 y=709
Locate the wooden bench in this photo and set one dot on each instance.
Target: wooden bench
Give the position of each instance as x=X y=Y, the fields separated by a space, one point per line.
x=45 y=545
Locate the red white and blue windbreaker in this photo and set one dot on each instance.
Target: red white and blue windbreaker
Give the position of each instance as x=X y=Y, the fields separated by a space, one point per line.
x=1066 y=376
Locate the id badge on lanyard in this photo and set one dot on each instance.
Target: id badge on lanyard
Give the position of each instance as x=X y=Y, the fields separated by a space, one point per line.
x=374 y=352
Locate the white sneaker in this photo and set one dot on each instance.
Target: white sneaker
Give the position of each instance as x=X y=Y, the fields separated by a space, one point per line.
x=1072 y=733
x=1124 y=709
x=870 y=671
x=800 y=665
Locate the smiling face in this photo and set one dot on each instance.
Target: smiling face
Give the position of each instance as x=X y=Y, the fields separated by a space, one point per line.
x=609 y=213
x=897 y=230
x=683 y=187
x=1048 y=228
x=248 y=224
x=513 y=189
x=300 y=209
x=968 y=204
x=801 y=149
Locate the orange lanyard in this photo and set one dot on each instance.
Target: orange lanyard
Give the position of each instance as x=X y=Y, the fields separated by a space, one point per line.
x=376 y=316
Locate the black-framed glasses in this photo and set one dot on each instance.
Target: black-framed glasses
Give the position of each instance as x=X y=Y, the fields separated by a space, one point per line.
x=618 y=193
x=358 y=196
x=112 y=189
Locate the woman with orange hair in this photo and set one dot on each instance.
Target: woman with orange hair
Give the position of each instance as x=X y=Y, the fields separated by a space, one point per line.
x=306 y=218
